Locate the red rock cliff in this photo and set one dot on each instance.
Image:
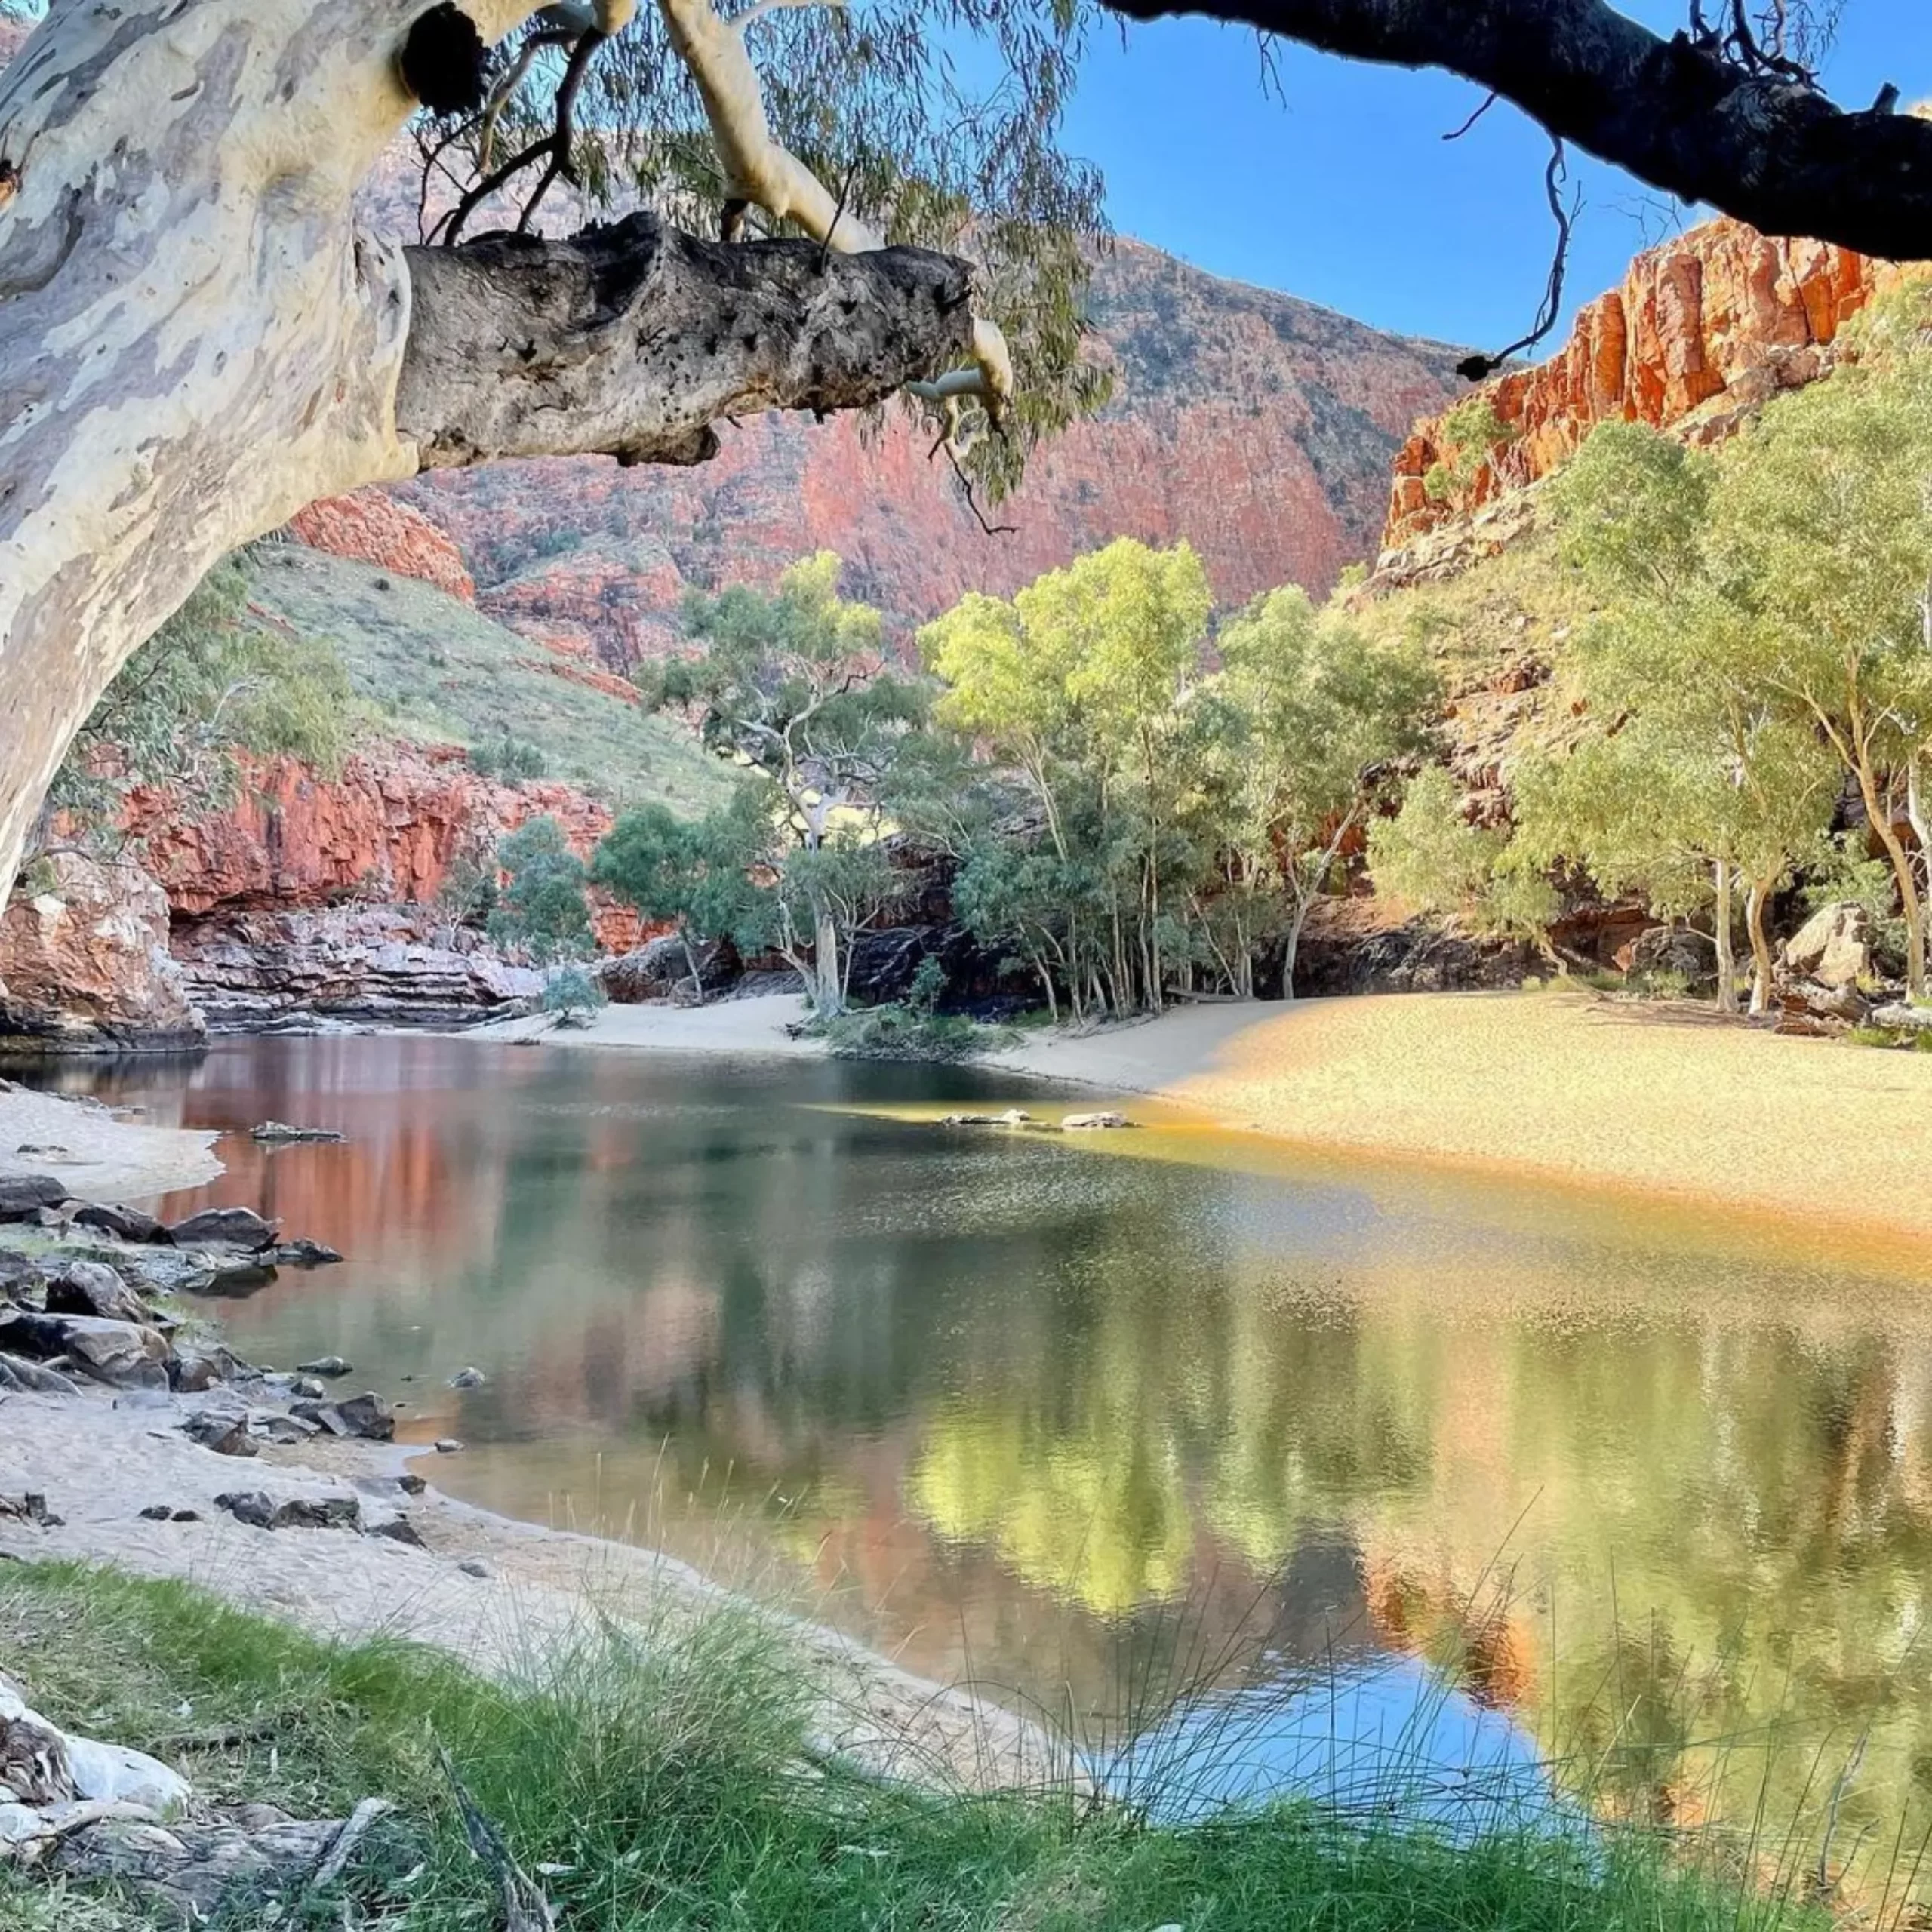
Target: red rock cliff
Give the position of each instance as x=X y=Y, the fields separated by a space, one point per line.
x=388 y=829
x=1702 y=330
x=372 y=527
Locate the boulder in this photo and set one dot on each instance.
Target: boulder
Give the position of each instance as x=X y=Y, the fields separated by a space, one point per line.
x=224 y=1227
x=1900 y=1018
x=303 y=1254
x=468 y=1378
x=275 y=1133
x=1672 y=952
x=86 y=962
x=655 y=969
x=260 y=1511
x=30 y=1378
x=20 y=1279
x=396 y=1529
x=328 y=1365
x=196 y=1366
x=225 y=1431
x=1835 y=946
x=22 y=1196
x=128 y=1224
x=123 y=1353
x=366 y=1415
x=1085 y=1123
x=92 y=1287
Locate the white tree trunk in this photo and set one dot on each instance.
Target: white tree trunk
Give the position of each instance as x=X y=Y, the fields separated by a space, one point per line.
x=195 y=341
x=828 y=982
x=1722 y=923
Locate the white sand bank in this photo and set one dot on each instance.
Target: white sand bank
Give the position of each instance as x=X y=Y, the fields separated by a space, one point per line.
x=98 y=1156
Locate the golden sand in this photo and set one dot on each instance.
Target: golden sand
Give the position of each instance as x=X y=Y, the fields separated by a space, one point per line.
x=1651 y=1099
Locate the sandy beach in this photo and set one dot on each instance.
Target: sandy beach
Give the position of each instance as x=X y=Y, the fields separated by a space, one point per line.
x=1652 y=1099
x=1665 y=1100
x=99 y=1155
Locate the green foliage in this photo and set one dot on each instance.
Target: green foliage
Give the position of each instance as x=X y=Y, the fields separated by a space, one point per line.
x=208 y=688
x=573 y=995
x=542 y=909
x=1315 y=709
x=651 y=860
x=655 y=1776
x=928 y=983
x=1189 y=810
x=513 y=760
x=1631 y=508
x=1428 y=853
x=793 y=686
x=906 y=1030
x=1472 y=433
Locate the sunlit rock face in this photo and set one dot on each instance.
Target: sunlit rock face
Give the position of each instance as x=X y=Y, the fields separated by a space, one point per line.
x=373 y=527
x=84 y=960
x=387 y=830
x=1702 y=330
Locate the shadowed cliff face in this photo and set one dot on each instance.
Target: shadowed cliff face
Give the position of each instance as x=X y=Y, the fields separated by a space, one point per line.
x=1704 y=330
x=1258 y=427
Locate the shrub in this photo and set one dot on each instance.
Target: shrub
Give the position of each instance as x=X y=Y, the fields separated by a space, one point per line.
x=573 y=995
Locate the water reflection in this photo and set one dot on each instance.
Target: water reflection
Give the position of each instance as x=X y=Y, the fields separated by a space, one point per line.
x=1092 y=1422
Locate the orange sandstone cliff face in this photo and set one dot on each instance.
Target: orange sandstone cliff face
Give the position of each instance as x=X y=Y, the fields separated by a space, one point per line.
x=389 y=830
x=1701 y=332
x=373 y=528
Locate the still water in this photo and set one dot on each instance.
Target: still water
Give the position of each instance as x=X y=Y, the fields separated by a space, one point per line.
x=1095 y=1419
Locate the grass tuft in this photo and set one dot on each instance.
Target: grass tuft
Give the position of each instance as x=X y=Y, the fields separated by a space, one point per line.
x=663 y=1780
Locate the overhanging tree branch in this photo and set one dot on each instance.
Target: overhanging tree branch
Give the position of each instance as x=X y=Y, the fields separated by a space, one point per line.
x=1752 y=139
x=632 y=340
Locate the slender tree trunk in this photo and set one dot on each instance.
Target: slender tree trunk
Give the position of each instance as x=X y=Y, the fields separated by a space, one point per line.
x=1721 y=927
x=690 y=960
x=1879 y=813
x=1291 y=945
x=1915 y=811
x=829 y=997
x=1756 y=901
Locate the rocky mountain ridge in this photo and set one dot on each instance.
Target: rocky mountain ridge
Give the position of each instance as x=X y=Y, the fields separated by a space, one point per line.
x=1704 y=330
x=1257 y=427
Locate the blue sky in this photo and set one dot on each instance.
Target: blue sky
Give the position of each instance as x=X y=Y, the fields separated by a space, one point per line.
x=1348 y=195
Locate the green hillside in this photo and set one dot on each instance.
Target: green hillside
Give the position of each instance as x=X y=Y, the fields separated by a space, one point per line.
x=437 y=670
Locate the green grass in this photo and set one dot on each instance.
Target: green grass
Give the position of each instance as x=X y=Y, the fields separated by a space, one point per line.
x=666 y=1785
x=894 y=1029
x=438 y=671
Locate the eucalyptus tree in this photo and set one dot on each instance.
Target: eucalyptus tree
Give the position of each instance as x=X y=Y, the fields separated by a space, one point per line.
x=1325 y=712
x=541 y=907
x=198 y=335
x=1705 y=774
x=1079 y=683
x=1822 y=527
x=794 y=685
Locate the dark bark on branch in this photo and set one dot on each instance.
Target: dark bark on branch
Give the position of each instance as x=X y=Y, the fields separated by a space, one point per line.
x=1751 y=141
x=631 y=340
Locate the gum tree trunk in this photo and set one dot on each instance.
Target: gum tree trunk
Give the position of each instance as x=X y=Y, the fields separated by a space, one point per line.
x=1721 y=930
x=195 y=340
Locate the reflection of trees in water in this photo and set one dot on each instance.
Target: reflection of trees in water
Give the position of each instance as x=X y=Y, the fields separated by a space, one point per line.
x=1009 y=1384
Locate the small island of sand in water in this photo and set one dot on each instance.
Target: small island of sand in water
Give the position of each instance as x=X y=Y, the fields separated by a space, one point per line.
x=866 y=1064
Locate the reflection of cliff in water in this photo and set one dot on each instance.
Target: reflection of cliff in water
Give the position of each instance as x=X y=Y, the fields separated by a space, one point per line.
x=1097 y=1422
